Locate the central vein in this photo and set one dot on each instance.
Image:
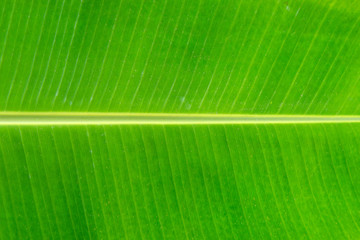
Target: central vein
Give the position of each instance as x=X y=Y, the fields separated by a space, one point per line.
x=92 y=118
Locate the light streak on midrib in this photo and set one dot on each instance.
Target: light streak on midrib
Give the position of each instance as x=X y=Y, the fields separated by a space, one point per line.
x=97 y=118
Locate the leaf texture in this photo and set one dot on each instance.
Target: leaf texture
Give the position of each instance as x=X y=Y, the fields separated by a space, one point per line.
x=180 y=182
x=265 y=56
x=269 y=180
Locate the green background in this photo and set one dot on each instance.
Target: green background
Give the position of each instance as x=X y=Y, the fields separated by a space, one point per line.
x=181 y=182
x=265 y=181
x=228 y=56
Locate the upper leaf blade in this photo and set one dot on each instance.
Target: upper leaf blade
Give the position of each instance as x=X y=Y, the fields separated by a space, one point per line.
x=289 y=57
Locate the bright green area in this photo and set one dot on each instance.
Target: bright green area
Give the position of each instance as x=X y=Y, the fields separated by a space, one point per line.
x=180 y=182
x=272 y=181
x=228 y=56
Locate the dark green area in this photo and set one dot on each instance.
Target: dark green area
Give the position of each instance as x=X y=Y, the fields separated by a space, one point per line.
x=228 y=182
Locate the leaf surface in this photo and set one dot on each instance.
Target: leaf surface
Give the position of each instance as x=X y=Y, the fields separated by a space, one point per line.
x=265 y=57
x=288 y=169
x=202 y=182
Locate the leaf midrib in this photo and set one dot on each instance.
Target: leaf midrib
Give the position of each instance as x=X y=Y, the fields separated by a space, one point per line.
x=99 y=118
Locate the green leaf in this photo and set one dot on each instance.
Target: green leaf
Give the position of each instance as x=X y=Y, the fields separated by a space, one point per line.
x=266 y=181
x=266 y=56
x=179 y=119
